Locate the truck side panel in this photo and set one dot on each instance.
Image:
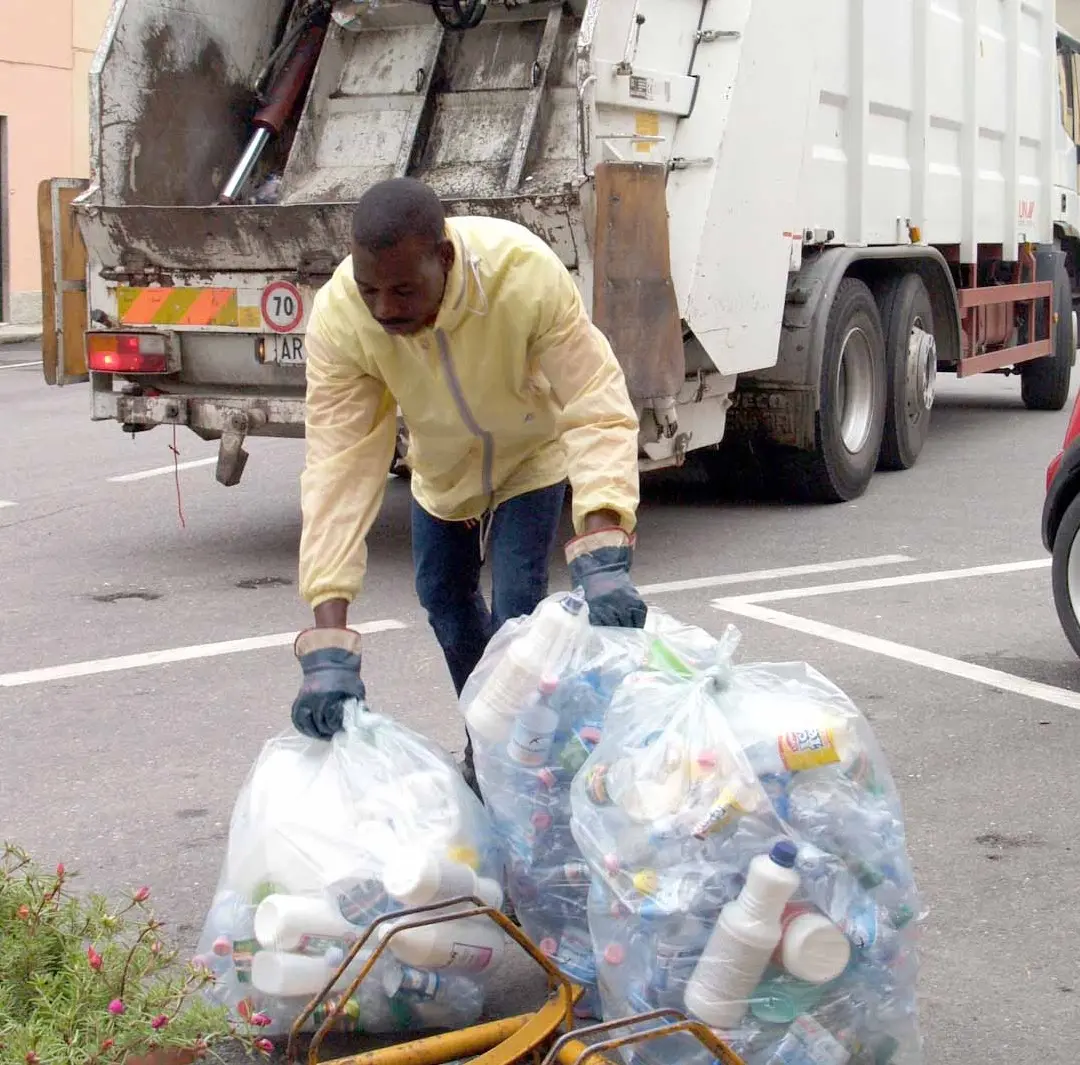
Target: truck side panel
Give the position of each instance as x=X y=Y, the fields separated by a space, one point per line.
x=938 y=113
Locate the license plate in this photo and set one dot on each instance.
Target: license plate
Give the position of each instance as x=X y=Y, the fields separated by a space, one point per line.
x=286 y=348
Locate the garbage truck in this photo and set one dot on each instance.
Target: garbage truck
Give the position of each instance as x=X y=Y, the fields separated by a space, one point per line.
x=787 y=217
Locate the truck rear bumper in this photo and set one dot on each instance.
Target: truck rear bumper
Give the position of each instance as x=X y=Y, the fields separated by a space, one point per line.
x=208 y=416
x=228 y=418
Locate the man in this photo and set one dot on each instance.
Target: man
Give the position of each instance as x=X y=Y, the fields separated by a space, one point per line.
x=475 y=329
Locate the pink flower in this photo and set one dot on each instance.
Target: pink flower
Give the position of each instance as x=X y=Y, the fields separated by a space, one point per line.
x=94 y=958
x=32 y=1059
x=264 y=1045
x=108 y=1044
x=24 y=914
x=260 y=1020
x=60 y=871
x=116 y=1007
x=141 y=895
x=159 y=1022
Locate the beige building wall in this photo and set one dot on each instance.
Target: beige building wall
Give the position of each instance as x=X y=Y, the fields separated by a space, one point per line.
x=1068 y=16
x=45 y=51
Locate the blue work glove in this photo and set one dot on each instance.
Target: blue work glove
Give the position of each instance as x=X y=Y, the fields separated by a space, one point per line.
x=600 y=565
x=330 y=659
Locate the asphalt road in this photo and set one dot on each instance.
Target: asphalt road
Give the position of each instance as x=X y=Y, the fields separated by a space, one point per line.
x=129 y=774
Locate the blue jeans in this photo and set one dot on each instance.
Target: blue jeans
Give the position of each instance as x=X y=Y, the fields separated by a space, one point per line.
x=446 y=556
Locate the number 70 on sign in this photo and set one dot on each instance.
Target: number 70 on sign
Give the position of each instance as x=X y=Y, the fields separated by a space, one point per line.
x=282 y=308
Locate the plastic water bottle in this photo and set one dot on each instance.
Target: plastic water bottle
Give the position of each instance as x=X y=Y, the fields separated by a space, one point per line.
x=808 y=1043
x=435 y=1000
x=572 y=952
x=748 y=931
x=676 y=949
x=515 y=680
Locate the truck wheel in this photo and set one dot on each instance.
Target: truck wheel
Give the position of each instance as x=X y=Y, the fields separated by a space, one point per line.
x=1065 y=573
x=910 y=367
x=1044 y=383
x=851 y=414
x=398 y=466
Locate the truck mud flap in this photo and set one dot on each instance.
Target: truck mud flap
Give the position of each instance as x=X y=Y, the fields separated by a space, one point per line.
x=780 y=415
x=634 y=300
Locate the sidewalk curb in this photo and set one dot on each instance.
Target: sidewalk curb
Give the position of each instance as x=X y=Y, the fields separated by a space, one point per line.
x=15 y=334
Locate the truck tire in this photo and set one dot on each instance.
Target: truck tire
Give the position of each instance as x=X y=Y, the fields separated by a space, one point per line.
x=907 y=318
x=851 y=407
x=1044 y=383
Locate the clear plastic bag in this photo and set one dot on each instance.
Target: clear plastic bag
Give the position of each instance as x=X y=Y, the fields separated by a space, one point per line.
x=749 y=867
x=535 y=708
x=326 y=837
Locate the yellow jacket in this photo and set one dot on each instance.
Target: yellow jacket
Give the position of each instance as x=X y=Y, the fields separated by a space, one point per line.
x=511 y=390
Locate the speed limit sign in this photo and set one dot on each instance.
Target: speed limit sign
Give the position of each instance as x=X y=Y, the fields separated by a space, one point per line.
x=282 y=306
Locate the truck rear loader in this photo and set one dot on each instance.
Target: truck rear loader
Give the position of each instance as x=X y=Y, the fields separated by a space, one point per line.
x=787 y=217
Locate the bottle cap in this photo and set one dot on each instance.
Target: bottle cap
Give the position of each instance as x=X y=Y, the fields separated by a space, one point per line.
x=814 y=949
x=784 y=854
x=614 y=954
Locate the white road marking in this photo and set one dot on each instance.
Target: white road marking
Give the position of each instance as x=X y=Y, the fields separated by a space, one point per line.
x=915 y=656
x=173 y=654
x=7 y=503
x=142 y=475
x=772 y=574
x=18 y=365
x=895 y=582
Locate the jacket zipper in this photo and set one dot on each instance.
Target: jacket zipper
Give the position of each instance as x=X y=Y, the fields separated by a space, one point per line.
x=486 y=440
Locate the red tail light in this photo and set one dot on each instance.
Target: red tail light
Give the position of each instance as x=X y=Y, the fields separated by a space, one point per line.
x=126 y=353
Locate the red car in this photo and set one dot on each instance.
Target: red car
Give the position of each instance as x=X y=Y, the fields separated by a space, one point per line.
x=1061 y=527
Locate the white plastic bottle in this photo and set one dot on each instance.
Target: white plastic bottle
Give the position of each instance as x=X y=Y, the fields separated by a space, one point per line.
x=472 y=945
x=517 y=676
x=417 y=878
x=748 y=931
x=812 y=949
x=297 y=975
x=301 y=924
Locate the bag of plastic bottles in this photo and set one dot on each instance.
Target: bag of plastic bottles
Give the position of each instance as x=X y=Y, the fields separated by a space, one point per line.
x=749 y=867
x=534 y=709
x=326 y=837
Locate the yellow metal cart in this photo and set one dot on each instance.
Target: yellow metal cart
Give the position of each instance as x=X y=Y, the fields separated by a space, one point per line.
x=547 y=1036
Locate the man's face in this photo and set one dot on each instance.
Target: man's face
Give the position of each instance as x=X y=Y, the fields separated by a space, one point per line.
x=403 y=285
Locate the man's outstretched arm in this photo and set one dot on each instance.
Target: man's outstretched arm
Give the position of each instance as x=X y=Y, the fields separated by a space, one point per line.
x=350 y=435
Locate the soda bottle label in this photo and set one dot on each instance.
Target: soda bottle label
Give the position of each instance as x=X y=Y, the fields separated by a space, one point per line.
x=363 y=901
x=317 y=946
x=808 y=749
x=722 y=812
x=243 y=953
x=419 y=984
x=575 y=958
x=673 y=966
x=596 y=785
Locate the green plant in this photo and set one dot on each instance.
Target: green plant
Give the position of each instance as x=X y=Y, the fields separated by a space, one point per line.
x=83 y=982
